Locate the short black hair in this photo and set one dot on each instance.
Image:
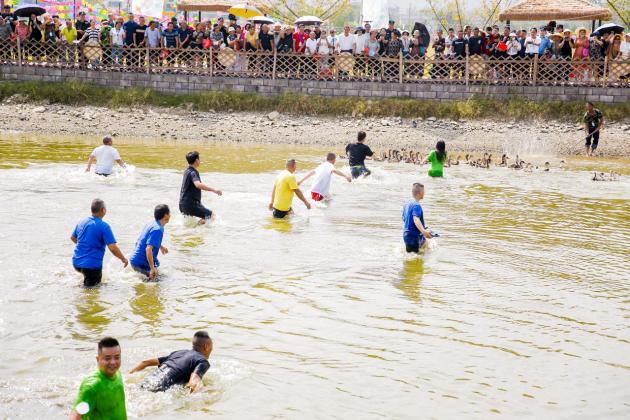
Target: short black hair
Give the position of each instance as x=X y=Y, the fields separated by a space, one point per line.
x=200 y=339
x=160 y=211
x=191 y=157
x=97 y=205
x=107 y=342
x=361 y=136
x=590 y=103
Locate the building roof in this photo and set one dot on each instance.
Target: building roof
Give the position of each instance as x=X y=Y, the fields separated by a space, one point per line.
x=529 y=10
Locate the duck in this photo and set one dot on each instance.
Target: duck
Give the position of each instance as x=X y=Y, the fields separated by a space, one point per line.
x=546 y=167
x=504 y=160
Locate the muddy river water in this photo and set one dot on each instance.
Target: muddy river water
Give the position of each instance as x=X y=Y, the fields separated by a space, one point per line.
x=520 y=309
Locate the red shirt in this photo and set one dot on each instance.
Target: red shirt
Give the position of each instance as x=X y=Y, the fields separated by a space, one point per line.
x=300 y=40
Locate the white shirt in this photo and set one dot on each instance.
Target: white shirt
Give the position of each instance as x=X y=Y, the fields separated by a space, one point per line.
x=513 y=47
x=323 y=176
x=105 y=157
x=310 y=46
x=322 y=46
x=333 y=41
x=118 y=36
x=531 y=45
x=360 y=43
x=624 y=50
x=346 y=42
x=153 y=37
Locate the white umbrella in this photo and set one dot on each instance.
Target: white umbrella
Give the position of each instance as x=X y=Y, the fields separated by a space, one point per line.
x=261 y=19
x=308 y=20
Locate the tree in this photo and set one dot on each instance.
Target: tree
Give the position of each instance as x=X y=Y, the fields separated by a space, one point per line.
x=621 y=9
x=289 y=10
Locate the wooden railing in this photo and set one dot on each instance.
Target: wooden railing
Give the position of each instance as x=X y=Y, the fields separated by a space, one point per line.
x=337 y=67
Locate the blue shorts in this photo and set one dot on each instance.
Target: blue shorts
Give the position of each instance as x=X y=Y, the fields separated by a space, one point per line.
x=414 y=245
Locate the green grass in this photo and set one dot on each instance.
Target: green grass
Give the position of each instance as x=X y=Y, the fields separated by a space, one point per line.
x=72 y=93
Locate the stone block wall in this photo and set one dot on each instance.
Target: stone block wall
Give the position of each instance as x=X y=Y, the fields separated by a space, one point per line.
x=185 y=84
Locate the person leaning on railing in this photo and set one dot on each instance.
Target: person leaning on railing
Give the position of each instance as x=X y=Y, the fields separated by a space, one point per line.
x=117 y=40
x=153 y=40
x=6 y=31
x=170 y=41
x=439 y=46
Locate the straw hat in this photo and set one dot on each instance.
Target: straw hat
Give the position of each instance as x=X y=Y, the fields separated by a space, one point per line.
x=565 y=31
x=580 y=29
x=556 y=35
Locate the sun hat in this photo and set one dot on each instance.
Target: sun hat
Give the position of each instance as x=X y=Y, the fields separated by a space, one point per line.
x=512 y=34
x=231 y=29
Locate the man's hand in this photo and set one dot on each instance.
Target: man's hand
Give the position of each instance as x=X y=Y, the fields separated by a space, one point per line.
x=163 y=249
x=308 y=205
x=218 y=192
x=427 y=234
x=270 y=206
x=124 y=261
x=152 y=274
x=349 y=178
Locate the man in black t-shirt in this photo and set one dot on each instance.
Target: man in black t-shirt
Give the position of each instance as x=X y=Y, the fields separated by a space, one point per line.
x=475 y=43
x=357 y=152
x=190 y=194
x=183 y=367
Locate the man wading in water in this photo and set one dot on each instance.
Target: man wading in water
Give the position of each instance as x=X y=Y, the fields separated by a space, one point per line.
x=357 y=152
x=190 y=195
x=183 y=367
x=102 y=393
x=593 y=125
x=283 y=189
x=105 y=157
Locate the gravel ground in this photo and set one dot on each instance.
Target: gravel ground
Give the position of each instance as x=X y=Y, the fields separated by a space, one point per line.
x=180 y=124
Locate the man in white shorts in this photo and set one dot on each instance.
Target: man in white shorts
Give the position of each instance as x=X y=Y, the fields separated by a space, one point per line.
x=105 y=157
x=323 y=176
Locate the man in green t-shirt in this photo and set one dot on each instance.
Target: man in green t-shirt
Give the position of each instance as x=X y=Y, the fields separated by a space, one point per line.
x=593 y=124
x=102 y=393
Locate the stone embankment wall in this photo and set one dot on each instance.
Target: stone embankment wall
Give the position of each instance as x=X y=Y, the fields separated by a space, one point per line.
x=184 y=84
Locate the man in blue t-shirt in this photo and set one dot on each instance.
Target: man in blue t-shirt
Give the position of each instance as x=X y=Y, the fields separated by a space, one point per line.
x=413 y=221
x=91 y=236
x=144 y=259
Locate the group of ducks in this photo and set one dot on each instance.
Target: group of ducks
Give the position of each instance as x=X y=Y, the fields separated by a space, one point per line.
x=601 y=176
x=416 y=158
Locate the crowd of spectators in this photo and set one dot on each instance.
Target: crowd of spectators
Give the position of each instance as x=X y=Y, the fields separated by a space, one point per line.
x=122 y=36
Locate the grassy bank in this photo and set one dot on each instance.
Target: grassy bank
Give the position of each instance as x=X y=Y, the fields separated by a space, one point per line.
x=69 y=93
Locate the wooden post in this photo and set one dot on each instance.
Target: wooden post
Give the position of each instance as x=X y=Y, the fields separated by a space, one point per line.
x=19 y=52
x=400 y=67
x=275 y=59
x=211 y=63
x=148 y=58
x=535 y=70
x=605 y=74
x=336 y=72
x=466 y=69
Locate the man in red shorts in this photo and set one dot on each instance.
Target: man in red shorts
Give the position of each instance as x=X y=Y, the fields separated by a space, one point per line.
x=323 y=176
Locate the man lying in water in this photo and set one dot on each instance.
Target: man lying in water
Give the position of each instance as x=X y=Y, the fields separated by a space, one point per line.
x=183 y=367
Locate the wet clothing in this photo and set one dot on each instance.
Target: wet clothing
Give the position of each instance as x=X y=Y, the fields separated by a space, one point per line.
x=105 y=156
x=316 y=196
x=152 y=234
x=358 y=171
x=594 y=122
x=104 y=396
x=91 y=276
x=92 y=235
x=195 y=209
x=357 y=152
x=411 y=234
x=279 y=214
x=176 y=369
x=285 y=185
x=190 y=196
x=437 y=167
x=323 y=177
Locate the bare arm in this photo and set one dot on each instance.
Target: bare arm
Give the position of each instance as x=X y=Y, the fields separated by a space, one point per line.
x=307 y=176
x=118 y=254
x=74 y=415
x=195 y=382
x=418 y=223
x=73 y=239
x=145 y=364
x=298 y=192
x=341 y=174
x=121 y=163
x=200 y=185
x=91 y=160
x=273 y=197
x=149 y=253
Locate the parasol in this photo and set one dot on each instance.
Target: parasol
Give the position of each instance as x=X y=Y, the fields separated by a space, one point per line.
x=26 y=10
x=261 y=20
x=245 y=11
x=308 y=20
x=608 y=28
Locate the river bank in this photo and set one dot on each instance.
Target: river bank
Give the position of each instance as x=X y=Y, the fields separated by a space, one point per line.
x=185 y=124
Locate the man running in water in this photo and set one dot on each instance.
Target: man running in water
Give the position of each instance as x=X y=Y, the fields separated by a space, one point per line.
x=183 y=367
x=323 y=176
x=105 y=157
x=190 y=195
x=102 y=393
x=283 y=189
x=91 y=236
x=144 y=259
x=593 y=125
x=357 y=152
x=414 y=233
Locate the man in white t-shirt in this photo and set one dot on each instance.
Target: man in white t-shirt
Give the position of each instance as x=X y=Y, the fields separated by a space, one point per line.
x=347 y=41
x=532 y=43
x=105 y=157
x=323 y=176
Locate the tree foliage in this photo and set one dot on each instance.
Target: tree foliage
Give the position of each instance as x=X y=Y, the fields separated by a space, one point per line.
x=289 y=10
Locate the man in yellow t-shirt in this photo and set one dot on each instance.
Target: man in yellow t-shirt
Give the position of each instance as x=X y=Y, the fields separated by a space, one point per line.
x=69 y=32
x=283 y=189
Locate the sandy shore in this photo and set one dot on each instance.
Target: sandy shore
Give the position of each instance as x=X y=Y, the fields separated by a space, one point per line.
x=179 y=124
